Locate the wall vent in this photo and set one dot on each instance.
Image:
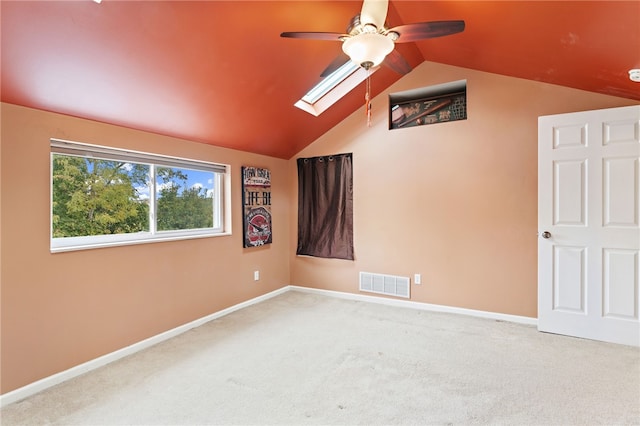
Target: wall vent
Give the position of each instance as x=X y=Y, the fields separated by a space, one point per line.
x=385 y=284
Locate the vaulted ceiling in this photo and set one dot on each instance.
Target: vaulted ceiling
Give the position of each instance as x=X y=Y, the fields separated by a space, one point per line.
x=218 y=72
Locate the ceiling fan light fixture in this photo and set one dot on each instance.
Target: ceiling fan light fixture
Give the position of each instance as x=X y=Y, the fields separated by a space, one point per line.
x=368 y=49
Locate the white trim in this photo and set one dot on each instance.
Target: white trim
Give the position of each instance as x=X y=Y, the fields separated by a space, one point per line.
x=47 y=382
x=419 y=305
x=116 y=240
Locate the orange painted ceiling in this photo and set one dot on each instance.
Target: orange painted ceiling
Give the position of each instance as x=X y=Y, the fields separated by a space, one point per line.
x=218 y=72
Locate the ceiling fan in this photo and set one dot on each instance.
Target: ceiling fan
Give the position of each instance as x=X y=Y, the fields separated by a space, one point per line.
x=369 y=43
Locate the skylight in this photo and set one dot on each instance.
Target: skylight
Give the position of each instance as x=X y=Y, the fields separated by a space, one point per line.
x=329 y=82
x=333 y=87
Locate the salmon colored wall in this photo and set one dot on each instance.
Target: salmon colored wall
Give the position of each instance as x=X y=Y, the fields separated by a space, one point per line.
x=60 y=310
x=455 y=202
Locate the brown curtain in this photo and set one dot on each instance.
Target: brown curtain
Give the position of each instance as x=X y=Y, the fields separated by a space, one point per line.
x=325 y=206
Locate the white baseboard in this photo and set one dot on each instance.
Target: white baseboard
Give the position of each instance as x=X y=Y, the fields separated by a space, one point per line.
x=47 y=382
x=419 y=305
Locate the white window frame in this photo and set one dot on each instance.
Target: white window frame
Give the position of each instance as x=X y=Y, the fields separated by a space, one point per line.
x=222 y=186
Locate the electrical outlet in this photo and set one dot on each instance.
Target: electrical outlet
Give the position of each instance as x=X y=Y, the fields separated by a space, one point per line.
x=417 y=279
x=256 y=275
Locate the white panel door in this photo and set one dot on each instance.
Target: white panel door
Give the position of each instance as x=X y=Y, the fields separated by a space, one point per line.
x=589 y=224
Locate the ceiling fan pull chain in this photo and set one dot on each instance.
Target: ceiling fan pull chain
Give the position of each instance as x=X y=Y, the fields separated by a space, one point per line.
x=367 y=98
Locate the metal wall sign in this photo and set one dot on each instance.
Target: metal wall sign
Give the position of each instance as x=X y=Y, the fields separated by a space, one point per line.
x=256 y=206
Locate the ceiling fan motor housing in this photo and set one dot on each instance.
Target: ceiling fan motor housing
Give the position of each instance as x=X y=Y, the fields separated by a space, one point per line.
x=354 y=25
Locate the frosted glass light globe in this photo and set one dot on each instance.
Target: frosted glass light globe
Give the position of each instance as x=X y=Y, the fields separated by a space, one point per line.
x=368 y=49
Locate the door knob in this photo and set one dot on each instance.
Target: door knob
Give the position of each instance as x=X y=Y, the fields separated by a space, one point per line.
x=546 y=235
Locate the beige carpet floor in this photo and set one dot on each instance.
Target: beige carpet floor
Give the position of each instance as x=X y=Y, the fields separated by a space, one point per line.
x=308 y=359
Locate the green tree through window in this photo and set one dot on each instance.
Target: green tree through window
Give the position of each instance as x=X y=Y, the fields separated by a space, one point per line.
x=97 y=197
x=181 y=207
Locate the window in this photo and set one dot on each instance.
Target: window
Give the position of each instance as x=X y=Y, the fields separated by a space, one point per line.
x=104 y=196
x=333 y=87
x=428 y=105
x=330 y=82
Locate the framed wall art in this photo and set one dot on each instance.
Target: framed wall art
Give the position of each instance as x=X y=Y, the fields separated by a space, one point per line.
x=256 y=206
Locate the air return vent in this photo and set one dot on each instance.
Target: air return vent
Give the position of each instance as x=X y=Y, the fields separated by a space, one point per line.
x=385 y=284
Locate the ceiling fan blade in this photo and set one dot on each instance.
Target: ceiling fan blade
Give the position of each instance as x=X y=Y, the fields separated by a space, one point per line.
x=374 y=12
x=314 y=35
x=424 y=30
x=397 y=62
x=339 y=61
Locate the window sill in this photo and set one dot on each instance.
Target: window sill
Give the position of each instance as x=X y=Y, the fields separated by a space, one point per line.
x=70 y=246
